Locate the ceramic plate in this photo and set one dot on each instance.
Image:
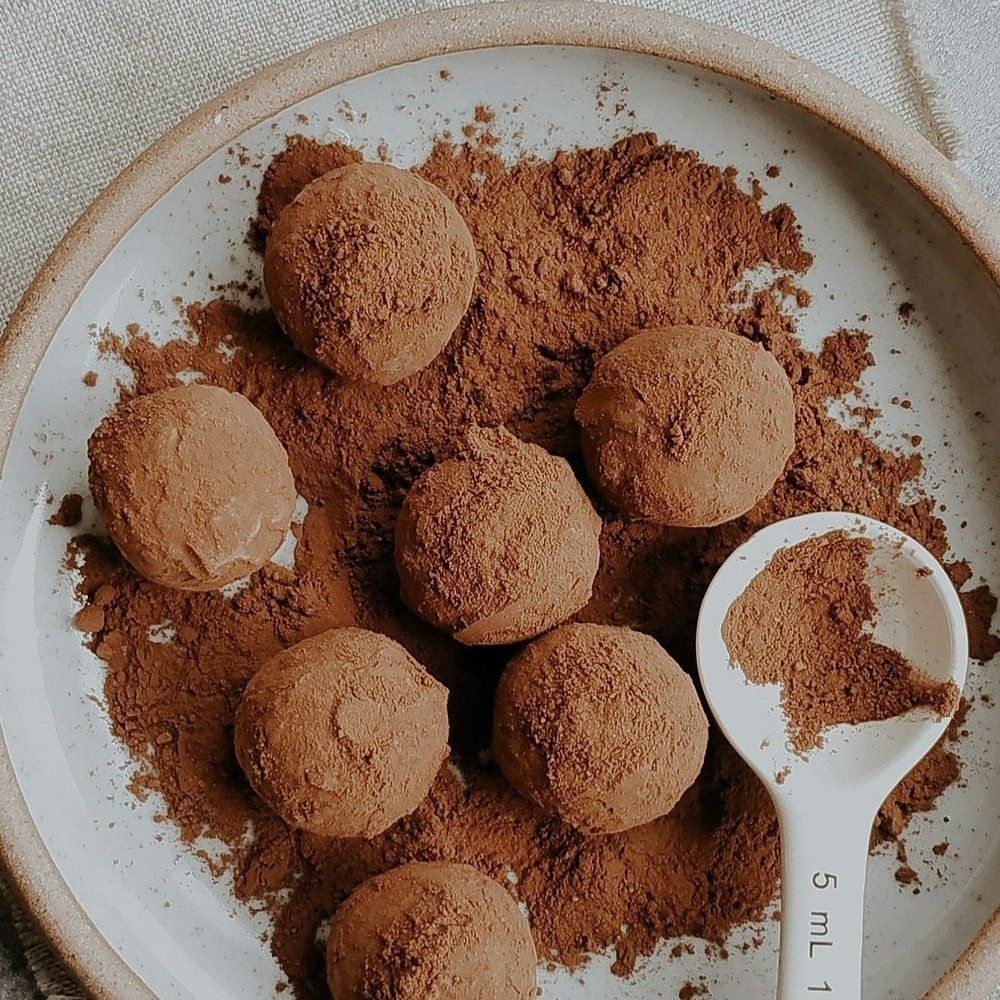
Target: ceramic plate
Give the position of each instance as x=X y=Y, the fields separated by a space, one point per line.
x=130 y=908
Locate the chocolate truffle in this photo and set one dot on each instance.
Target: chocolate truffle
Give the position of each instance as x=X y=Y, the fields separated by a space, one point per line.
x=342 y=734
x=430 y=930
x=369 y=270
x=687 y=425
x=497 y=543
x=193 y=485
x=600 y=726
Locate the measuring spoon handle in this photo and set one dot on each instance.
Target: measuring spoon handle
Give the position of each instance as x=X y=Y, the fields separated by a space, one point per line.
x=824 y=852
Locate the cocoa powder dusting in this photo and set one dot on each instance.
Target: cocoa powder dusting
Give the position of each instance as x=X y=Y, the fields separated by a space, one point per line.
x=574 y=256
x=802 y=623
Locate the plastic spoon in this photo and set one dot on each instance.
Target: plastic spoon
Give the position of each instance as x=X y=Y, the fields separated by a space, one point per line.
x=827 y=801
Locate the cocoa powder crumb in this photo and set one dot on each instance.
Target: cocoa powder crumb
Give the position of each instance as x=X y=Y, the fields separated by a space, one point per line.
x=801 y=623
x=90 y=379
x=70 y=511
x=554 y=241
x=980 y=605
x=691 y=990
x=89 y=619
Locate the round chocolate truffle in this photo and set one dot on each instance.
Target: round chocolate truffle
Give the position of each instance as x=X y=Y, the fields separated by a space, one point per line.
x=497 y=543
x=430 y=930
x=342 y=734
x=193 y=485
x=687 y=425
x=369 y=270
x=599 y=726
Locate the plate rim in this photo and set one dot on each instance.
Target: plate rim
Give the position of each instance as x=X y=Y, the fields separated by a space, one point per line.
x=30 y=871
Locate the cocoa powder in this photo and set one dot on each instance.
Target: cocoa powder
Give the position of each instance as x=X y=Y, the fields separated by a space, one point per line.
x=70 y=511
x=575 y=254
x=803 y=623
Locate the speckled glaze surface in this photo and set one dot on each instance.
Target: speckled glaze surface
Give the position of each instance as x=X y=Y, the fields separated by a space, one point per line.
x=888 y=219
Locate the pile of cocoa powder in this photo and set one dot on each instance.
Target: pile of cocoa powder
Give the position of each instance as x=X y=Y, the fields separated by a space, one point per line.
x=575 y=254
x=804 y=622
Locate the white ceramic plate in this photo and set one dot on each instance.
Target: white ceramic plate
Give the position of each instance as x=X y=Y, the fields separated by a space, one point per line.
x=876 y=241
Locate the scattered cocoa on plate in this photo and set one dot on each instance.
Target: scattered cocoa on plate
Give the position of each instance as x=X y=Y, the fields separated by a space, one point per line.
x=574 y=256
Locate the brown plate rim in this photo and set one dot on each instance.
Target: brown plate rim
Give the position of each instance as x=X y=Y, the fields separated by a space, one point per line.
x=32 y=873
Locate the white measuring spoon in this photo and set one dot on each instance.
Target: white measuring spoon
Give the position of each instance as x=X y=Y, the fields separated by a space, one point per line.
x=827 y=801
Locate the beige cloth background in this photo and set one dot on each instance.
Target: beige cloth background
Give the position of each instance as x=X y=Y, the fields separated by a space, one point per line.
x=85 y=85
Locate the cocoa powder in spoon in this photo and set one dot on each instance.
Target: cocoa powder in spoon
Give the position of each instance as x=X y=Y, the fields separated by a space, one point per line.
x=575 y=254
x=804 y=623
